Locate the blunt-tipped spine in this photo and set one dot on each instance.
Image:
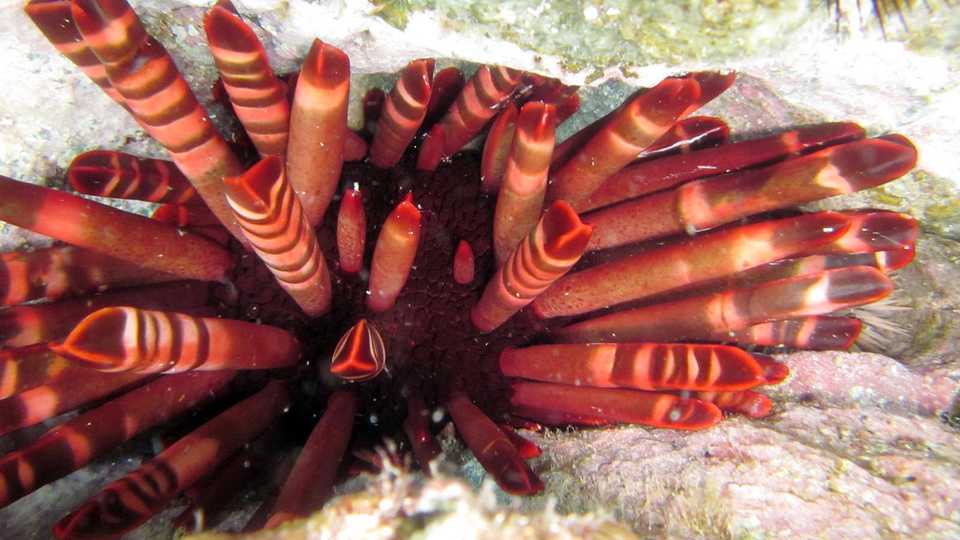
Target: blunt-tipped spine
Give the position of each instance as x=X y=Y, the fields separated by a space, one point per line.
x=59 y=271
x=636 y=125
x=520 y=199
x=318 y=126
x=464 y=263
x=403 y=112
x=311 y=480
x=709 y=202
x=274 y=222
x=129 y=339
x=417 y=428
x=669 y=171
x=142 y=71
x=40 y=322
x=351 y=231
x=496 y=148
x=703 y=317
x=258 y=97
x=544 y=256
x=129 y=237
x=393 y=255
x=492 y=448
x=558 y=404
x=477 y=103
x=643 y=366
x=126 y=503
x=701 y=258
x=76 y=442
x=815 y=332
x=55 y=20
x=43 y=402
x=114 y=174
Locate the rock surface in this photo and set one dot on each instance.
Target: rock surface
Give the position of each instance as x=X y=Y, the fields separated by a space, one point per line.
x=860 y=445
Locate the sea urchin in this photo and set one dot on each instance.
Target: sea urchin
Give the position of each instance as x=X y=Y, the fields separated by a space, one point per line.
x=386 y=275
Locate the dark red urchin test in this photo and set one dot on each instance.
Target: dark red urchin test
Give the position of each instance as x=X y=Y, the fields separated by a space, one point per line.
x=385 y=280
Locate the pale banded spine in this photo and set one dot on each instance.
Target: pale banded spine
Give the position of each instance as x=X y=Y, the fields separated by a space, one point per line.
x=520 y=198
x=318 y=128
x=643 y=366
x=81 y=439
x=545 y=255
x=393 y=255
x=129 y=339
x=55 y=20
x=477 y=103
x=140 y=69
x=561 y=404
x=403 y=112
x=123 y=176
x=126 y=503
x=636 y=125
x=259 y=98
x=702 y=317
x=274 y=222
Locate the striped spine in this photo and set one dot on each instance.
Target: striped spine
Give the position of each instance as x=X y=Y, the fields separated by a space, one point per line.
x=275 y=224
x=403 y=111
x=259 y=98
x=545 y=255
x=141 y=70
x=126 y=503
x=118 y=339
x=643 y=366
x=114 y=174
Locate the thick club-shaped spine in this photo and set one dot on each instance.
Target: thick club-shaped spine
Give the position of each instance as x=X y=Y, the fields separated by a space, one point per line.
x=351 y=231
x=318 y=126
x=43 y=402
x=635 y=126
x=700 y=258
x=132 y=500
x=143 y=73
x=520 y=199
x=311 y=480
x=129 y=339
x=815 y=332
x=37 y=323
x=492 y=448
x=703 y=317
x=60 y=271
x=643 y=366
x=393 y=255
x=403 y=112
x=545 y=255
x=559 y=404
x=55 y=20
x=478 y=102
x=709 y=202
x=134 y=239
x=79 y=440
x=258 y=97
x=669 y=171
x=273 y=221
x=114 y=174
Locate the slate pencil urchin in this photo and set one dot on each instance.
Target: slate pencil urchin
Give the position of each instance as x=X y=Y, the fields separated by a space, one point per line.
x=386 y=274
